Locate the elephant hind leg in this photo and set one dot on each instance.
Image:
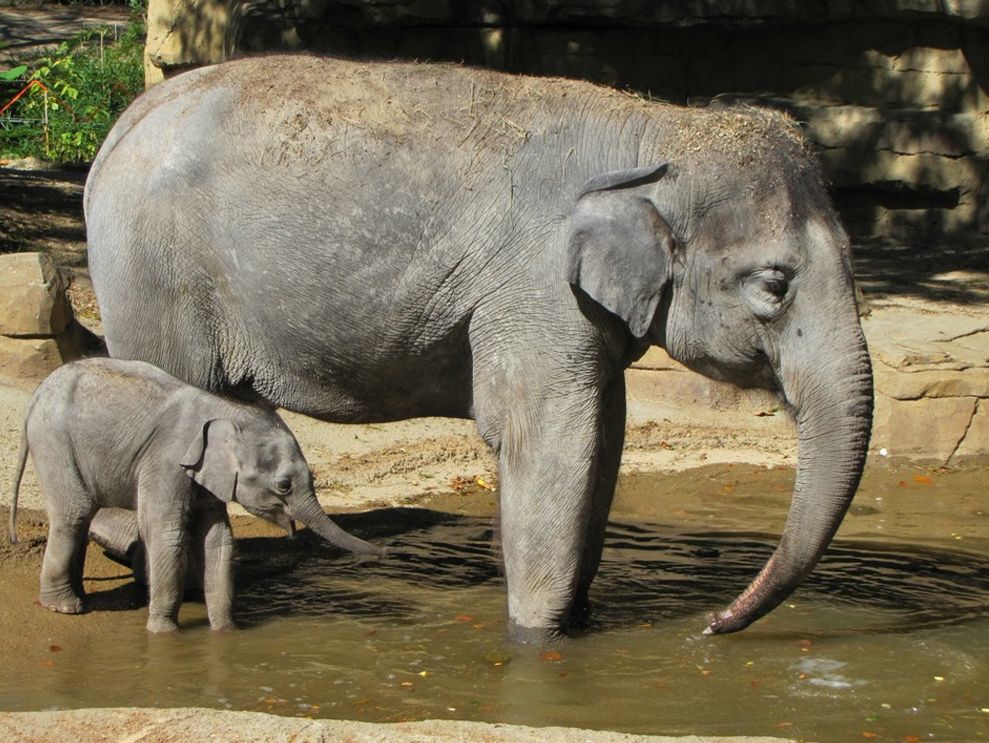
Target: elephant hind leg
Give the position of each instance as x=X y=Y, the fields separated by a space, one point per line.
x=70 y=510
x=62 y=567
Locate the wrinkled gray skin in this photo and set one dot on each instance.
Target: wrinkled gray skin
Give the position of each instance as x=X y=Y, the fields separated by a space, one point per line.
x=374 y=242
x=106 y=433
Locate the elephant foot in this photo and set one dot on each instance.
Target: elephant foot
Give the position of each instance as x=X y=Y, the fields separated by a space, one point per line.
x=533 y=635
x=159 y=624
x=62 y=602
x=225 y=625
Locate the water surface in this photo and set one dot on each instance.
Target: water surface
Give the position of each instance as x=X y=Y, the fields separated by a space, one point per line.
x=889 y=638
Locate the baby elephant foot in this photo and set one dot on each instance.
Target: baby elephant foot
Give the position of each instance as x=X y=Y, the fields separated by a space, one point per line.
x=162 y=624
x=223 y=625
x=64 y=602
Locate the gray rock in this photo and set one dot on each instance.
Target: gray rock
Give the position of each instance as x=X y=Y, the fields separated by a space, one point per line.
x=32 y=296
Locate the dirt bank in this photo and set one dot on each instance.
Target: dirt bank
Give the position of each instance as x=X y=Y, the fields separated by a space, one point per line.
x=208 y=724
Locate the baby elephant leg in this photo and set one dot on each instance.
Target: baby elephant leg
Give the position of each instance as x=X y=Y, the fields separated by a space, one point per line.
x=162 y=521
x=70 y=510
x=213 y=548
x=62 y=567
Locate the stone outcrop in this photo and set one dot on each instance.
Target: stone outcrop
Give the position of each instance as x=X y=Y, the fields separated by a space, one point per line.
x=37 y=331
x=895 y=94
x=931 y=387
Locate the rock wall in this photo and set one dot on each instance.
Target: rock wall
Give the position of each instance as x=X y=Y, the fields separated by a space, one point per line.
x=895 y=93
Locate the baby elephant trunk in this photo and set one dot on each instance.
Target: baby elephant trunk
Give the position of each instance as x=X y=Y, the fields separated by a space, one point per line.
x=312 y=515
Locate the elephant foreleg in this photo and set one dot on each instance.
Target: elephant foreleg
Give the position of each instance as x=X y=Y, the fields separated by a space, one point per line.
x=164 y=531
x=547 y=463
x=611 y=444
x=213 y=547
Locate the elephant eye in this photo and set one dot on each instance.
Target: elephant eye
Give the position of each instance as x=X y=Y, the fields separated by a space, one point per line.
x=766 y=291
x=775 y=283
x=282 y=486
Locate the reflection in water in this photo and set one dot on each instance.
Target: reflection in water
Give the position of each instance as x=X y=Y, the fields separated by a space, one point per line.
x=885 y=639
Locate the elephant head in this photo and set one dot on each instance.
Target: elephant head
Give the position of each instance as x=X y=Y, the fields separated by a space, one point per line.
x=735 y=262
x=257 y=463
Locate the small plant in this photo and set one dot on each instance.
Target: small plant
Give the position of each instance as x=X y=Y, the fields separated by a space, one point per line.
x=80 y=90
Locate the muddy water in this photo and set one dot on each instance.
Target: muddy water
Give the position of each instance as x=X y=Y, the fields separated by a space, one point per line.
x=889 y=638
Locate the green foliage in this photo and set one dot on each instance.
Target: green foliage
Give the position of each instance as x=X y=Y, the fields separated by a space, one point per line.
x=85 y=84
x=14 y=74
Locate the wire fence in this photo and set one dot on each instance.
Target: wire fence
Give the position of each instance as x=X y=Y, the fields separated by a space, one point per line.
x=63 y=106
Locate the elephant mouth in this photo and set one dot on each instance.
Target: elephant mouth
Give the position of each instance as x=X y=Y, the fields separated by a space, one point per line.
x=276 y=516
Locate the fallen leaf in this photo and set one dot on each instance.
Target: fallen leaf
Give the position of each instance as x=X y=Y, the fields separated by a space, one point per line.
x=484 y=483
x=911 y=739
x=48 y=663
x=550 y=656
x=55 y=648
x=463 y=618
x=406 y=684
x=869 y=735
x=478 y=625
x=923 y=480
x=782 y=725
x=497 y=658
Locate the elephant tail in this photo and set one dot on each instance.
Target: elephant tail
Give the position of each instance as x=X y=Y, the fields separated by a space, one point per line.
x=18 y=473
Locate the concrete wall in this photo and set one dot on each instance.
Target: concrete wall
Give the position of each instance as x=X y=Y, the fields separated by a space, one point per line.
x=895 y=93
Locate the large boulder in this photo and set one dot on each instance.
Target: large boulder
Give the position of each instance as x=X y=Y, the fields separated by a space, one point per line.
x=37 y=330
x=32 y=296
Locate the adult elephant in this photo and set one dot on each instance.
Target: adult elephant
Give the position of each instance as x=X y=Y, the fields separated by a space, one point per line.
x=372 y=242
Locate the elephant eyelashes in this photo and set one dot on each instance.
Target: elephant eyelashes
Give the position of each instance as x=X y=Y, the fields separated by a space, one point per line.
x=282 y=486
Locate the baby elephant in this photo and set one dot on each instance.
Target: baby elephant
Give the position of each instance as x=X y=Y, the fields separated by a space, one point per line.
x=111 y=433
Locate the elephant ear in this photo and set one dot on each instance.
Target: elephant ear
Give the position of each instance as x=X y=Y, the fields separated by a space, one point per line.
x=211 y=459
x=619 y=249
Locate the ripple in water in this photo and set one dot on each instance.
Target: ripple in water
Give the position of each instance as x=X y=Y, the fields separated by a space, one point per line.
x=891 y=640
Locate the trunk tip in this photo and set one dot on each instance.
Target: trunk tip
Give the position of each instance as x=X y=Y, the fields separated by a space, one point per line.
x=379 y=551
x=726 y=622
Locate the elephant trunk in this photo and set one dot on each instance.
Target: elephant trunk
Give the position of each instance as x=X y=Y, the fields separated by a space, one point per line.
x=308 y=511
x=832 y=403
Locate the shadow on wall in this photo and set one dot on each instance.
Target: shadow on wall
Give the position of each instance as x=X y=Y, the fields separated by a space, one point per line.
x=895 y=102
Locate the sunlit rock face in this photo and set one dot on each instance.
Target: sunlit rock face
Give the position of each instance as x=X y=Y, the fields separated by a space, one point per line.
x=894 y=98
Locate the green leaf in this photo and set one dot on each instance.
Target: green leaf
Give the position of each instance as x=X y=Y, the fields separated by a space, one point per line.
x=11 y=75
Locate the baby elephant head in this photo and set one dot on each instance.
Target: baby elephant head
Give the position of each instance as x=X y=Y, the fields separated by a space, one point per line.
x=258 y=464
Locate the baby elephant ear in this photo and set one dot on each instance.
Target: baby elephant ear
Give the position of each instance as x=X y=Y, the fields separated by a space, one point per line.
x=620 y=249
x=211 y=459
